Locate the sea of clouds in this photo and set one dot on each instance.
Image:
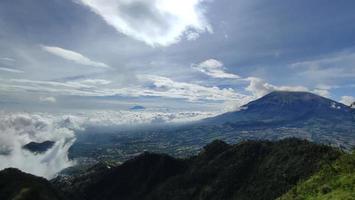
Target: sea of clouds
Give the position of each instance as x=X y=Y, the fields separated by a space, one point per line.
x=19 y=128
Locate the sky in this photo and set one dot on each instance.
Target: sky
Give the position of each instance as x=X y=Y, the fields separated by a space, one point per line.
x=176 y=55
x=66 y=65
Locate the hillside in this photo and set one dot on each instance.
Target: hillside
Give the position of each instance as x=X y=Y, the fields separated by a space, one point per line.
x=248 y=170
x=336 y=181
x=17 y=185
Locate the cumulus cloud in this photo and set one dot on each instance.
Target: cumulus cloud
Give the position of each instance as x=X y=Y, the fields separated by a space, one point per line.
x=11 y=70
x=258 y=87
x=48 y=99
x=214 y=68
x=18 y=129
x=155 y=22
x=347 y=100
x=73 y=56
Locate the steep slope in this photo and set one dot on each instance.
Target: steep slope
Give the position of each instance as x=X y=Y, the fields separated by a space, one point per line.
x=249 y=170
x=17 y=185
x=334 y=181
x=286 y=107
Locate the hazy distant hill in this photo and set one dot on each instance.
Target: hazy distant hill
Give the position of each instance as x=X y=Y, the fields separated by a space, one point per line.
x=38 y=147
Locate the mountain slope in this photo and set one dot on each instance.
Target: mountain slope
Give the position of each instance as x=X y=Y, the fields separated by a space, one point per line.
x=249 y=170
x=286 y=107
x=335 y=181
x=17 y=185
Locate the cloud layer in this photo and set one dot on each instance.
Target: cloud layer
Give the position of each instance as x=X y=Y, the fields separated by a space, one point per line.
x=18 y=129
x=155 y=22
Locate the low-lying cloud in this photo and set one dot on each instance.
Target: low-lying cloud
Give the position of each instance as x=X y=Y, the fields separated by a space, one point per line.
x=19 y=129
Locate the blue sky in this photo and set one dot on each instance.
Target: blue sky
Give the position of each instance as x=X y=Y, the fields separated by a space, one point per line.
x=201 y=55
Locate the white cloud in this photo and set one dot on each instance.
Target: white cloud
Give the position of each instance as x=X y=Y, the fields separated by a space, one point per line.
x=258 y=87
x=166 y=87
x=18 y=129
x=73 y=56
x=48 y=99
x=192 y=36
x=118 y=118
x=155 y=22
x=214 y=68
x=347 y=100
x=95 y=81
x=149 y=86
x=7 y=59
x=11 y=70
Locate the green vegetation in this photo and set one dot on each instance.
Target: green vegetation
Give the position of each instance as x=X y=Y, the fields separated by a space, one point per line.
x=334 y=181
x=257 y=170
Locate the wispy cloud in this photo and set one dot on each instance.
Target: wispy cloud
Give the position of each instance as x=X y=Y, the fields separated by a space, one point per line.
x=214 y=68
x=336 y=66
x=7 y=59
x=155 y=22
x=149 y=86
x=48 y=99
x=167 y=87
x=11 y=70
x=73 y=56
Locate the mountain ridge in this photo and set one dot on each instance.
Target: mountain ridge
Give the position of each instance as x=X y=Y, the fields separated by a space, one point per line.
x=250 y=170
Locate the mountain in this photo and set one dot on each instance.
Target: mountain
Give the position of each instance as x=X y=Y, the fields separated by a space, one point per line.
x=137 y=107
x=39 y=147
x=17 y=185
x=283 y=107
x=258 y=170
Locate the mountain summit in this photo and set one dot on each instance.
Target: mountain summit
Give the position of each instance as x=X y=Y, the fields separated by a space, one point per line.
x=282 y=106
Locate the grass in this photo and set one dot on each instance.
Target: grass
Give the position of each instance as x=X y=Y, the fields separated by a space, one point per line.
x=335 y=181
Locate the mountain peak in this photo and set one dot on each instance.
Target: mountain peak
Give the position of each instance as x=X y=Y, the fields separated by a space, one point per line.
x=292 y=95
x=288 y=107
